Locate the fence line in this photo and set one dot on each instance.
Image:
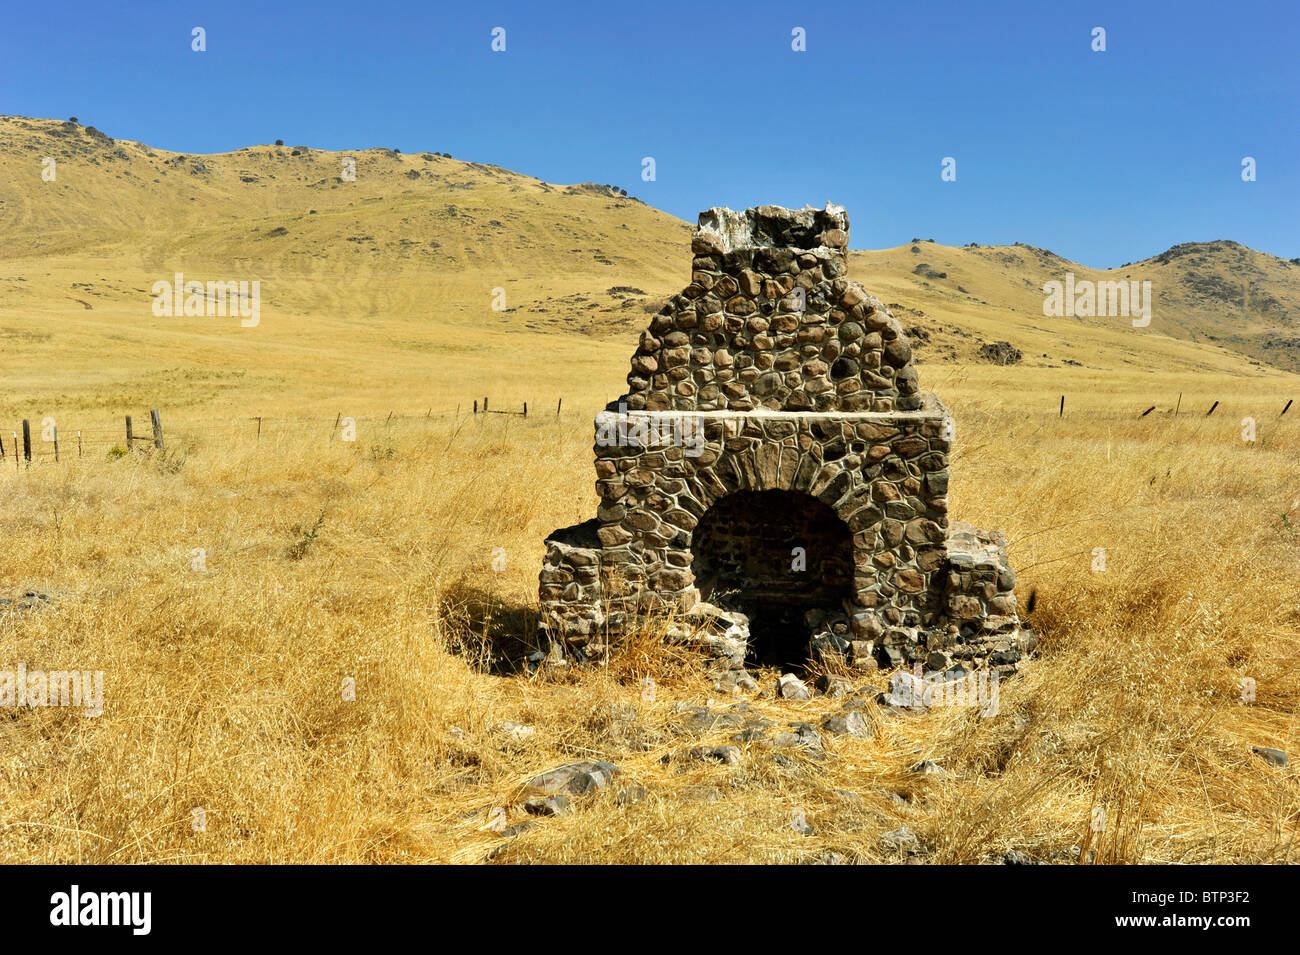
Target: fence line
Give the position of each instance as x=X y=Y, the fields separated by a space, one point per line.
x=101 y=438
x=104 y=438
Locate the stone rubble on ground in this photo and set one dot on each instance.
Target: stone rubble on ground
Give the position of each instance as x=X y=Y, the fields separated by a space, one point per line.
x=31 y=600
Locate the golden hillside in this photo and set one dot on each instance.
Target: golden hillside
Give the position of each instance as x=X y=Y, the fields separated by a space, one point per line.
x=371 y=289
x=380 y=292
x=1206 y=292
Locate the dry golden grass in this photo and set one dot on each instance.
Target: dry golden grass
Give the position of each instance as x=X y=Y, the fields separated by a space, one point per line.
x=223 y=689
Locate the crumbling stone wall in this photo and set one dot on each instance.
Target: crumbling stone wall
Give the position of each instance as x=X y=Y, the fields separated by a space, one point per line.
x=772 y=372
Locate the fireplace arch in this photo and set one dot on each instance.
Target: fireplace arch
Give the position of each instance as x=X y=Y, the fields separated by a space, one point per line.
x=773 y=555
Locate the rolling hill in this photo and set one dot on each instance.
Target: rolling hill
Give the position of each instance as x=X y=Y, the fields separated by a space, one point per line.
x=427 y=280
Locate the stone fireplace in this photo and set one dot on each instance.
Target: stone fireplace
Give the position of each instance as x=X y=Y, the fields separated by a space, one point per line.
x=775 y=480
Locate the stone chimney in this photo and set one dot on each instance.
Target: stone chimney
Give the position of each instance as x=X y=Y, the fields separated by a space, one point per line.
x=770 y=320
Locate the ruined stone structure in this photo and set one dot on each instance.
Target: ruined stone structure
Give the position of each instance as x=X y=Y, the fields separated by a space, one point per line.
x=776 y=478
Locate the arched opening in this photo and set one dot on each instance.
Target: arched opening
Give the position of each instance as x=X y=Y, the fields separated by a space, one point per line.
x=773 y=555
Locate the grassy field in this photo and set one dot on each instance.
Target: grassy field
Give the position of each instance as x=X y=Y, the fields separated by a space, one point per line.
x=372 y=561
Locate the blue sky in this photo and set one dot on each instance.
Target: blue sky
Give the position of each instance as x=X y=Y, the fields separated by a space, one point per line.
x=1101 y=157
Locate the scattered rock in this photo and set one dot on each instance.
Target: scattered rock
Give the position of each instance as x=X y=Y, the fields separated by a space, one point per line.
x=1016 y=857
x=572 y=779
x=851 y=723
x=553 y=657
x=730 y=755
x=631 y=795
x=929 y=768
x=832 y=686
x=516 y=732
x=1000 y=353
x=901 y=838
x=792 y=688
x=702 y=720
x=1072 y=856
x=1274 y=756
x=735 y=681
x=829 y=858
x=804 y=735
x=857 y=700
x=31 y=600
x=701 y=793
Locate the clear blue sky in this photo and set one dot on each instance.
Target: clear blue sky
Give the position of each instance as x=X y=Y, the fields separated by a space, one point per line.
x=1101 y=157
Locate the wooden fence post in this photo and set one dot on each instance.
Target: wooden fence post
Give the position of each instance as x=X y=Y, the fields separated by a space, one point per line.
x=476 y=406
x=78 y=442
x=259 y=429
x=1211 y=411
x=1147 y=412
x=56 y=444
x=15 y=434
x=156 y=420
x=1062 y=412
x=128 y=433
x=1288 y=406
x=558 y=404
x=27 y=441
x=485 y=402
x=1179 y=405
x=525 y=409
